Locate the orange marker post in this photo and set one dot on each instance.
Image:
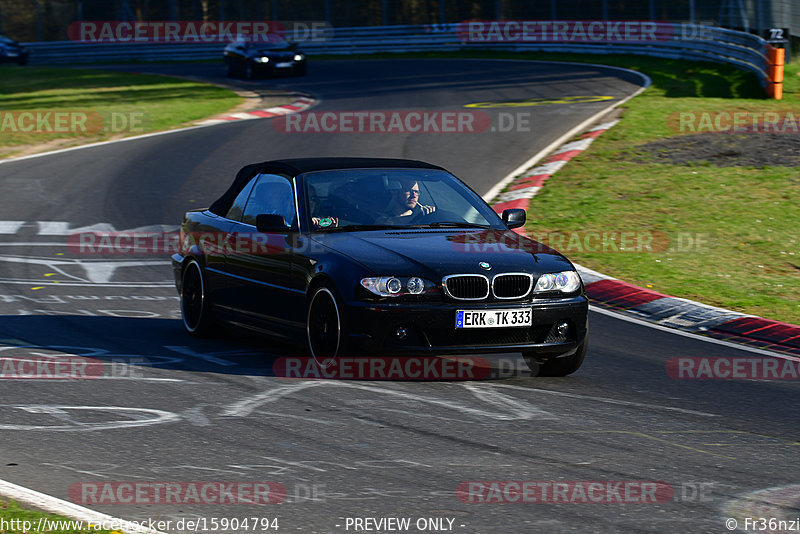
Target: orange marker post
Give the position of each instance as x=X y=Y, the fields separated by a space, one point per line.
x=775 y=60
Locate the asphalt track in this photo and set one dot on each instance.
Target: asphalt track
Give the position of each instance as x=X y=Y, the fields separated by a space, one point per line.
x=169 y=408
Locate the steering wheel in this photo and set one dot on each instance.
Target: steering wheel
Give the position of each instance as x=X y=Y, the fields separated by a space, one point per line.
x=417 y=214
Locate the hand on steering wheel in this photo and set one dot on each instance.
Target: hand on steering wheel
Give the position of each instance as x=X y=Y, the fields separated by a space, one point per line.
x=426 y=210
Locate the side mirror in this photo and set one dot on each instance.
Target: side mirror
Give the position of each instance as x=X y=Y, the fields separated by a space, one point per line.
x=269 y=223
x=514 y=218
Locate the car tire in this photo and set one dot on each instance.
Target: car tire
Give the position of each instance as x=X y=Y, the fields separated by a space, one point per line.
x=22 y=62
x=557 y=366
x=195 y=312
x=325 y=331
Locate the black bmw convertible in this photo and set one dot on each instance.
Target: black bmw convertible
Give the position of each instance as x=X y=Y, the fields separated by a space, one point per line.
x=374 y=256
x=272 y=56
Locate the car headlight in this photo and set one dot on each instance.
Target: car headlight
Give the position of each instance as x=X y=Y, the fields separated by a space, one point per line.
x=299 y=57
x=565 y=282
x=397 y=286
x=263 y=59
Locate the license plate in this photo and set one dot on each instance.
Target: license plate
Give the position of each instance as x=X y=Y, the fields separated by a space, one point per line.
x=284 y=65
x=516 y=317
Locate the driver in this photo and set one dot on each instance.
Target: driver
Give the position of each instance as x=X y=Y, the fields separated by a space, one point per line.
x=405 y=201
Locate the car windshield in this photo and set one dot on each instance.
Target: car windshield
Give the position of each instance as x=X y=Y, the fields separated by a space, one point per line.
x=270 y=42
x=365 y=199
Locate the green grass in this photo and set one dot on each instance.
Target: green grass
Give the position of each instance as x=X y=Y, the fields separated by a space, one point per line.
x=13 y=516
x=747 y=219
x=109 y=102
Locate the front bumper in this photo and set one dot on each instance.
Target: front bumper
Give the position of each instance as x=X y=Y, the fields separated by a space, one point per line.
x=430 y=328
x=15 y=56
x=272 y=68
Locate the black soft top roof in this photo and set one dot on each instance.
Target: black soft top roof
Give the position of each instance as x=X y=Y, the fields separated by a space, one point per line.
x=294 y=167
x=300 y=165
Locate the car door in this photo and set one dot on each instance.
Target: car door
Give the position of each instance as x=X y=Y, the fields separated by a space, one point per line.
x=260 y=263
x=214 y=243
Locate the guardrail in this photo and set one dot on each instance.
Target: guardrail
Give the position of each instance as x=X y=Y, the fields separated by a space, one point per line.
x=667 y=40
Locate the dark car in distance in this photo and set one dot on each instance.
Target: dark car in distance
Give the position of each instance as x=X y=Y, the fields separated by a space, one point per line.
x=12 y=52
x=377 y=256
x=268 y=57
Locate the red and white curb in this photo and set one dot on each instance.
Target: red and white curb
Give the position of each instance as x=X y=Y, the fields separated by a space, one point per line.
x=301 y=104
x=654 y=307
x=527 y=185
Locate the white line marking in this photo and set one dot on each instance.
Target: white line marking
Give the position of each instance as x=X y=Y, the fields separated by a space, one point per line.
x=247 y=406
x=58 y=506
x=606 y=400
x=512 y=413
x=691 y=335
x=11 y=227
x=511 y=409
x=85 y=284
x=61 y=413
x=141 y=379
x=295 y=464
x=63 y=228
x=488 y=394
x=96 y=271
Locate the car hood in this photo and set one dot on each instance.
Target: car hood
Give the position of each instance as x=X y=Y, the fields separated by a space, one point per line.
x=436 y=253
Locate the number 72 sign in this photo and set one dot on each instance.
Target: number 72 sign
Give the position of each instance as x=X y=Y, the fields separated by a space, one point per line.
x=779 y=37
